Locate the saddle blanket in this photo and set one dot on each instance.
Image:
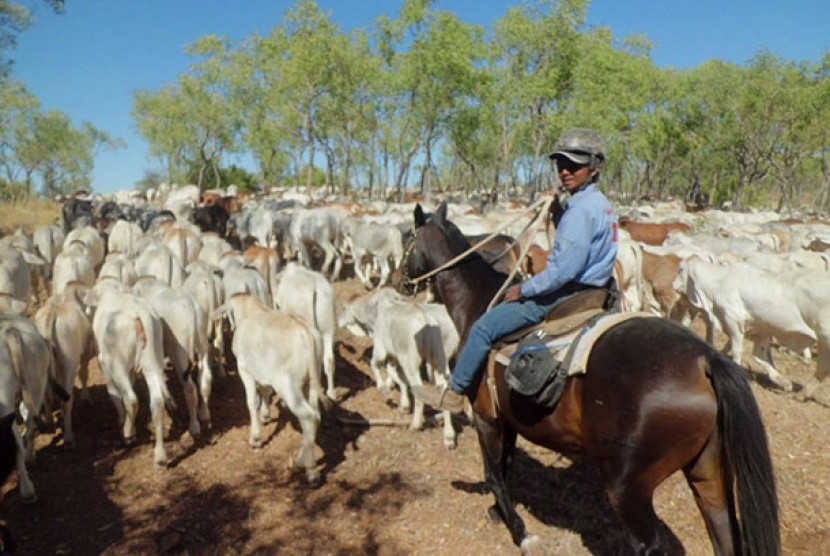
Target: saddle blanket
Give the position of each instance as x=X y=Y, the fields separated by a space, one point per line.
x=574 y=348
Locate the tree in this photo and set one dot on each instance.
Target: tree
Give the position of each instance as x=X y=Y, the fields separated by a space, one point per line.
x=16 y=17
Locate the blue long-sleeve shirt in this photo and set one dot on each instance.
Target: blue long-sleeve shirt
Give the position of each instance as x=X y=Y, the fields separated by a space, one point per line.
x=585 y=247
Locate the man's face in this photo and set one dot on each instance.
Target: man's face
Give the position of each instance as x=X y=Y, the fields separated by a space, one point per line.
x=572 y=175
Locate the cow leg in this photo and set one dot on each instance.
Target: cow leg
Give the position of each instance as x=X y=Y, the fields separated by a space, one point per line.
x=252 y=398
x=122 y=395
x=736 y=340
x=405 y=404
x=374 y=363
x=155 y=387
x=27 y=489
x=184 y=370
x=70 y=368
x=384 y=271
x=83 y=376
x=205 y=388
x=762 y=354
x=328 y=365
x=308 y=419
x=358 y=267
x=219 y=344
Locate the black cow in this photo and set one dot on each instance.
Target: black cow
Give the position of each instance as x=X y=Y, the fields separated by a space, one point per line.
x=77 y=213
x=212 y=218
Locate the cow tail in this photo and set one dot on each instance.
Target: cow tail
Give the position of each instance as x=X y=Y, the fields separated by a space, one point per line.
x=55 y=362
x=141 y=344
x=315 y=390
x=14 y=343
x=183 y=247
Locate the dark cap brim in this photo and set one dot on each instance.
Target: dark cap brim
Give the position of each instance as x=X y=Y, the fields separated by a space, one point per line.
x=579 y=158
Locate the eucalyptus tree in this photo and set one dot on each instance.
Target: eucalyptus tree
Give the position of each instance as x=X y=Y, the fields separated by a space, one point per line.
x=537 y=51
x=307 y=66
x=60 y=154
x=161 y=117
x=197 y=122
x=17 y=110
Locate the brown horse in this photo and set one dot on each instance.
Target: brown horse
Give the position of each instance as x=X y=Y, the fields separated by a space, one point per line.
x=656 y=399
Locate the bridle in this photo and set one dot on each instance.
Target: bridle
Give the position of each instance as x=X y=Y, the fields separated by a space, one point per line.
x=409 y=282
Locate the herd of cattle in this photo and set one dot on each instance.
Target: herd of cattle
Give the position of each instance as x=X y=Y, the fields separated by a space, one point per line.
x=146 y=286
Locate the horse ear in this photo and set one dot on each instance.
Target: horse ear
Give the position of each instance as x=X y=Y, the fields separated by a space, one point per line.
x=420 y=217
x=441 y=213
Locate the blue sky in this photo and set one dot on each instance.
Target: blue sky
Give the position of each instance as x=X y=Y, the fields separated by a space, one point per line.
x=89 y=61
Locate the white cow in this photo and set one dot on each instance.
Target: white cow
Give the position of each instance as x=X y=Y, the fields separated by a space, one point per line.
x=307 y=294
x=15 y=279
x=282 y=351
x=794 y=308
x=119 y=267
x=25 y=367
x=73 y=264
x=130 y=340
x=125 y=237
x=410 y=335
x=93 y=241
x=185 y=344
x=378 y=242
x=64 y=325
x=157 y=260
x=205 y=286
x=322 y=227
x=48 y=242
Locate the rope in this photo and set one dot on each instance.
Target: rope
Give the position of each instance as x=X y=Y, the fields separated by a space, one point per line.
x=448 y=264
x=525 y=248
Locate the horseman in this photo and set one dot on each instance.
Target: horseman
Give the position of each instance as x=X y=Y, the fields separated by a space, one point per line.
x=582 y=257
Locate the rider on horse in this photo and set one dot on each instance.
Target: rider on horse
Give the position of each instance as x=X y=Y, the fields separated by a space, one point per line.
x=582 y=257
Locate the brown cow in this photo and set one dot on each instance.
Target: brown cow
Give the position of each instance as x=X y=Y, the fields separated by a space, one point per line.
x=652 y=233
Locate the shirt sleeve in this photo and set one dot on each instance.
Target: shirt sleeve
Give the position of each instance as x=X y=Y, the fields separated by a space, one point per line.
x=567 y=259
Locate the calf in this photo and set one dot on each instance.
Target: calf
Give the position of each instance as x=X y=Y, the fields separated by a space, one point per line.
x=64 y=325
x=380 y=243
x=408 y=335
x=652 y=233
x=184 y=335
x=282 y=351
x=25 y=369
x=307 y=294
x=792 y=307
x=130 y=340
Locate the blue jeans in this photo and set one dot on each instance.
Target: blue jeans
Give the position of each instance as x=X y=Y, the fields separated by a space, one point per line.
x=496 y=323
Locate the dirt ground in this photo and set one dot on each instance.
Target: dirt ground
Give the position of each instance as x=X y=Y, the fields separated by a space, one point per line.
x=386 y=490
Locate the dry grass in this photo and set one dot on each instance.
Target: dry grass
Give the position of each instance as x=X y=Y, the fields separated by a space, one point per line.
x=28 y=215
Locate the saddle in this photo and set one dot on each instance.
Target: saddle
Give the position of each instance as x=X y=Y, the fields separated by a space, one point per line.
x=537 y=357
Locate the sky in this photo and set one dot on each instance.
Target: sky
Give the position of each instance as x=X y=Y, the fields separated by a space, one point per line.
x=90 y=61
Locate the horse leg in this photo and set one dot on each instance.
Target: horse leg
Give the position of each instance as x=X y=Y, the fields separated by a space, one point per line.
x=497 y=444
x=710 y=486
x=634 y=504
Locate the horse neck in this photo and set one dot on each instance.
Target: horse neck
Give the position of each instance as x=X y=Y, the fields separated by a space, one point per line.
x=466 y=292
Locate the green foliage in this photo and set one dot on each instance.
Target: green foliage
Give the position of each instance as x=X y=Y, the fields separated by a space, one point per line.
x=424 y=97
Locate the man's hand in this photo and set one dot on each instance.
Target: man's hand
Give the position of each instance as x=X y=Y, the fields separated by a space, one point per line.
x=513 y=293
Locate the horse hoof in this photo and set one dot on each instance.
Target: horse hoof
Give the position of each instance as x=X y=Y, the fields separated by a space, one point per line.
x=493 y=514
x=532 y=545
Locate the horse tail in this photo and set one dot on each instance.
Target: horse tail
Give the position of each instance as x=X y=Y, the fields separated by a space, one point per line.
x=747 y=456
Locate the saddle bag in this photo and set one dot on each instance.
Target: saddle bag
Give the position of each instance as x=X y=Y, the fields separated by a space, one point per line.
x=534 y=373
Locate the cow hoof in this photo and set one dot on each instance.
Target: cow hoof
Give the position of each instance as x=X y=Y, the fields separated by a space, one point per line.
x=255 y=443
x=160 y=459
x=186 y=441
x=532 y=545
x=450 y=444
x=129 y=440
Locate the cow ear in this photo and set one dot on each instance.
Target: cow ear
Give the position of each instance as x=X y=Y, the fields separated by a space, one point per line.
x=441 y=213
x=420 y=217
